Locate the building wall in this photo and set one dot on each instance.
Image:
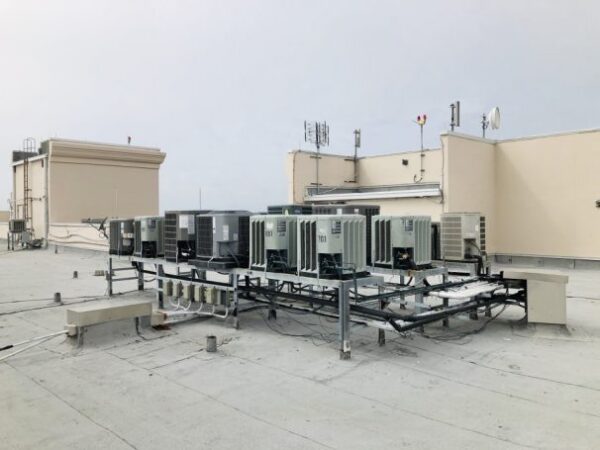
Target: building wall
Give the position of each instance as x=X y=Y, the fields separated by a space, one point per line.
x=469 y=180
x=546 y=193
x=4 y=216
x=538 y=194
x=98 y=180
x=384 y=170
x=37 y=194
x=337 y=170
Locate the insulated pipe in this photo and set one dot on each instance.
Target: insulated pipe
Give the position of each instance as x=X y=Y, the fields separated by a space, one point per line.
x=466 y=293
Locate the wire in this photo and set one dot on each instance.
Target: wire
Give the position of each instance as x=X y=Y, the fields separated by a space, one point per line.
x=456 y=336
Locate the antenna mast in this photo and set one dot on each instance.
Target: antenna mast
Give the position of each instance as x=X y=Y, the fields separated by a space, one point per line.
x=317 y=133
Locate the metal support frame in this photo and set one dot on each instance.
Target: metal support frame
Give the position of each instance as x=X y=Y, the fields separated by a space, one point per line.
x=339 y=298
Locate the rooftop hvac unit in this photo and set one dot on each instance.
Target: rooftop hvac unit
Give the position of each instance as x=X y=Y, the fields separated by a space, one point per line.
x=16 y=226
x=331 y=246
x=273 y=243
x=463 y=236
x=365 y=210
x=120 y=237
x=148 y=236
x=222 y=239
x=297 y=209
x=180 y=235
x=401 y=242
x=436 y=246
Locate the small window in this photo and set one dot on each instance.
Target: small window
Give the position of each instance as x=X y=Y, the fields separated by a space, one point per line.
x=42 y=163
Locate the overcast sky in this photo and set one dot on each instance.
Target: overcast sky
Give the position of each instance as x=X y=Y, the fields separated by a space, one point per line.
x=223 y=87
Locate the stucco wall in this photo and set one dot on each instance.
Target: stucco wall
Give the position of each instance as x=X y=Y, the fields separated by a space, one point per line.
x=546 y=193
x=90 y=180
x=76 y=235
x=334 y=170
x=4 y=216
x=90 y=190
x=37 y=174
x=389 y=170
x=469 y=180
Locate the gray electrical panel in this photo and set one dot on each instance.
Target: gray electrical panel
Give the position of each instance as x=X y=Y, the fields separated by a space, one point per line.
x=462 y=236
x=401 y=242
x=331 y=246
x=120 y=237
x=148 y=236
x=273 y=243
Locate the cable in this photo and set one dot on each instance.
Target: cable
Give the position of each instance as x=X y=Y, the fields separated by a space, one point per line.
x=36 y=341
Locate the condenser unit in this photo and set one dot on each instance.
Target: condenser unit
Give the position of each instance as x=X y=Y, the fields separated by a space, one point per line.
x=292 y=209
x=180 y=235
x=121 y=237
x=16 y=226
x=463 y=236
x=273 y=243
x=401 y=242
x=148 y=236
x=364 y=210
x=222 y=239
x=331 y=246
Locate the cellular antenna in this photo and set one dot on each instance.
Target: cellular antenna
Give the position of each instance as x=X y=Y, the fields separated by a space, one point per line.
x=317 y=133
x=454 y=115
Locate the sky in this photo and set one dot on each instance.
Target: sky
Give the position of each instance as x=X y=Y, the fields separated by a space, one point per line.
x=224 y=87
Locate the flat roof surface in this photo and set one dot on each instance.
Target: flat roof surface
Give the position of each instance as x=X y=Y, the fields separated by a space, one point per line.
x=274 y=385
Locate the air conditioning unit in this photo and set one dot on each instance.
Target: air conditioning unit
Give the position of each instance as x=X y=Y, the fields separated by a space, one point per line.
x=273 y=243
x=120 y=237
x=463 y=236
x=148 y=236
x=222 y=239
x=365 y=210
x=401 y=242
x=16 y=226
x=292 y=209
x=331 y=246
x=180 y=235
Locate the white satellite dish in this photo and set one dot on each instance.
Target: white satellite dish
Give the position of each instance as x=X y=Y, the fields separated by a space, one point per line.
x=493 y=118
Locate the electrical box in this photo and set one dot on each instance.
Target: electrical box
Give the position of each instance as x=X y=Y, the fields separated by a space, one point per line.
x=199 y=293
x=462 y=236
x=401 y=242
x=148 y=236
x=180 y=235
x=364 y=210
x=121 y=237
x=222 y=240
x=168 y=288
x=331 y=246
x=212 y=294
x=188 y=292
x=273 y=243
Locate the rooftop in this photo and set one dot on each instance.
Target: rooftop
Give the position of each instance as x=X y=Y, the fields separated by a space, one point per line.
x=280 y=384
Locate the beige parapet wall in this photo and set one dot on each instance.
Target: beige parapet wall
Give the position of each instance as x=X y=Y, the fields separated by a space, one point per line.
x=538 y=194
x=4 y=216
x=77 y=235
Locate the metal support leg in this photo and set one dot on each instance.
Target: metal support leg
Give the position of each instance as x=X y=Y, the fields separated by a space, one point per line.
x=160 y=273
x=140 y=271
x=233 y=280
x=272 y=310
x=344 y=319
x=382 y=306
x=446 y=321
x=109 y=276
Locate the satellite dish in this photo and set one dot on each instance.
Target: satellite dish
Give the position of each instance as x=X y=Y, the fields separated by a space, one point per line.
x=493 y=118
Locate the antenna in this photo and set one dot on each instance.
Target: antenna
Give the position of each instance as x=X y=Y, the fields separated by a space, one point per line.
x=491 y=120
x=421 y=121
x=454 y=115
x=317 y=133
